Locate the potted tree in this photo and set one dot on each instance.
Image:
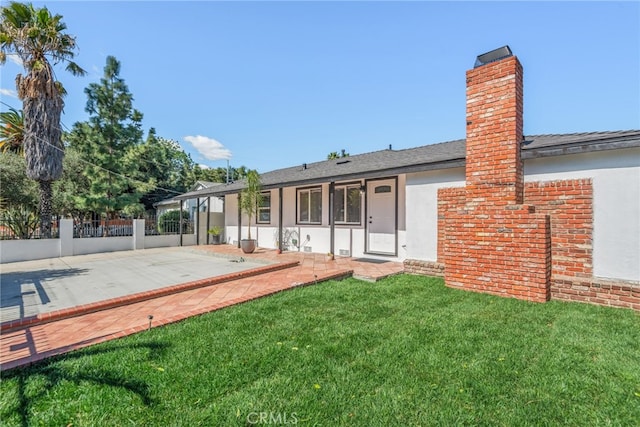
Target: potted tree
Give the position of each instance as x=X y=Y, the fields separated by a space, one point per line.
x=215 y=232
x=250 y=198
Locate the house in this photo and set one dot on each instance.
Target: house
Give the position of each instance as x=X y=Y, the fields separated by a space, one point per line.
x=203 y=221
x=190 y=205
x=532 y=217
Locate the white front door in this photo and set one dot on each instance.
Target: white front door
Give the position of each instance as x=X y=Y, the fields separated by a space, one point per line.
x=381 y=216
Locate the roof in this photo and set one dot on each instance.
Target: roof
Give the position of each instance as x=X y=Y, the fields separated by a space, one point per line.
x=427 y=157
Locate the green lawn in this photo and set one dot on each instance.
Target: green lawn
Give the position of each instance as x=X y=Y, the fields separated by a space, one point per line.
x=405 y=351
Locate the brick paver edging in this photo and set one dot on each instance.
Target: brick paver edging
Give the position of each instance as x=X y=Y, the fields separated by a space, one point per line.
x=140 y=296
x=6 y=366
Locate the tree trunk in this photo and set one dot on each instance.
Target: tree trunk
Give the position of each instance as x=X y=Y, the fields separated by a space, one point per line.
x=45 y=209
x=42 y=106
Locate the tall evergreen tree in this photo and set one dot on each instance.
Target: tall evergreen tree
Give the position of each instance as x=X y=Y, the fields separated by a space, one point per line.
x=163 y=164
x=37 y=37
x=107 y=139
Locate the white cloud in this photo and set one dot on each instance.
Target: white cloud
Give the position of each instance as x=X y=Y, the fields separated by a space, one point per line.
x=15 y=59
x=8 y=92
x=209 y=147
x=203 y=166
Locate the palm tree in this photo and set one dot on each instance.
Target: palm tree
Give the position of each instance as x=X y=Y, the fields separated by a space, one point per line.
x=37 y=37
x=12 y=131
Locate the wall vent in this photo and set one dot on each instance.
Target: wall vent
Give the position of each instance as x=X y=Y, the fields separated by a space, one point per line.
x=307 y=248
x=344 y=252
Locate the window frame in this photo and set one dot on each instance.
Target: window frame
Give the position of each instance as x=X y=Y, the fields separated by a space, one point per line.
x=357 y=185
x=309 y=190
x=265 y=195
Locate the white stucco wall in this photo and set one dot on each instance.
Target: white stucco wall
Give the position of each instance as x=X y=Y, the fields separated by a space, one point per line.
x=422 y=210
x=616 y=204
x=315 y=238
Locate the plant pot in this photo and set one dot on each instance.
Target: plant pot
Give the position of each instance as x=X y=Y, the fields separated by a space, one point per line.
x=215 y=239
x=248 y=245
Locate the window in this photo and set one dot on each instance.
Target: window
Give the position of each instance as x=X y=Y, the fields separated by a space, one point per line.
x=310 y=205
x=347 y=202
x=264 y=209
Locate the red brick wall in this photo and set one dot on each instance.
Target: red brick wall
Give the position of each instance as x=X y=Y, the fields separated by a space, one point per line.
x=570 y=205
x=597 y=291
x=497 y=235
x=499 y=251
x=449 y=201
x=492 y=242
x=494 y=132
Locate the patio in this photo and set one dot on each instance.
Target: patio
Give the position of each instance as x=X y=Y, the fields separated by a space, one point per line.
x=36 y=338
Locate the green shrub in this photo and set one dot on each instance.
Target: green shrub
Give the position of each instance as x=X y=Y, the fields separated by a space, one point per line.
x=168 y=222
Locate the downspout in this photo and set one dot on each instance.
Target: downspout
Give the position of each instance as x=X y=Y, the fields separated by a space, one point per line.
x=332 y=222
x=280 y=215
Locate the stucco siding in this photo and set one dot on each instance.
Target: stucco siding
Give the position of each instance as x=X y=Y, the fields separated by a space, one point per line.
x=422 y=210
x=616 y=204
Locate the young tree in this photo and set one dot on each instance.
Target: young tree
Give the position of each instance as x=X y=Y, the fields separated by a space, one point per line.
x=108 y=138
x=251 y=197
x=37 y=37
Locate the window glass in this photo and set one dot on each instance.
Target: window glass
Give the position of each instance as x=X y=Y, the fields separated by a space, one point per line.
x=383 y=189
x=316 y=205
x=264 y=210
x=347 y=204
x=310 y=205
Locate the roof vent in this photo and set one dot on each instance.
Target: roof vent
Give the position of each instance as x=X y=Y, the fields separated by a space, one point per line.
x=494 y=55
x=304 y=166
x=342 y=162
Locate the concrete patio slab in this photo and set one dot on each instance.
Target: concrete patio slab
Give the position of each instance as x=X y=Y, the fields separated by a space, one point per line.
x=31 y=288
x=62 y=331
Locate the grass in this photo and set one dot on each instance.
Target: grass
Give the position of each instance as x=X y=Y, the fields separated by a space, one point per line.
x=403 y=351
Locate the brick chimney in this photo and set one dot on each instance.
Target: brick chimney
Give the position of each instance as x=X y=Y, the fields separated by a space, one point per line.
x=494 y=130
x=493 y=242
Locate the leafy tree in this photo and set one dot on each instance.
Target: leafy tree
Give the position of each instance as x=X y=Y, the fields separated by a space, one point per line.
x=37 y=37
x=164 y=164
x=12 y=131
x=169 y=222
x=251 y=197
x=16 y=189
x=334 y=155
x=72 y=187
x=109 y=139
x=220 y=174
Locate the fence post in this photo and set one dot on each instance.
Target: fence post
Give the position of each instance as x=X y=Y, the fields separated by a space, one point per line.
x=66 y=237
x=138 y=234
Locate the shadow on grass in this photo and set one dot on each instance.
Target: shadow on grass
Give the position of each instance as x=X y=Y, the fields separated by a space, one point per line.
x=55 y=373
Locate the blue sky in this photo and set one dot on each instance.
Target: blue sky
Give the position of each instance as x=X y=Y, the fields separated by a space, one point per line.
x=278 y=84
